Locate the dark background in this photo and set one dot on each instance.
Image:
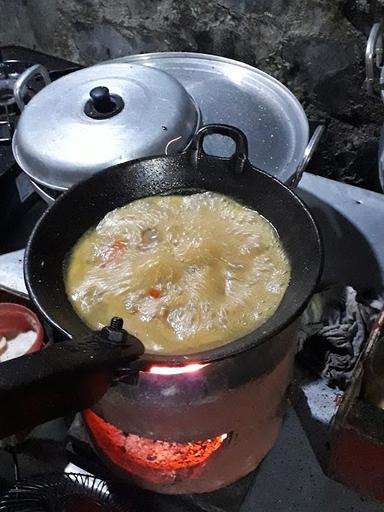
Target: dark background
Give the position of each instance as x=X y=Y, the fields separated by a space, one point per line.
x=315 y=47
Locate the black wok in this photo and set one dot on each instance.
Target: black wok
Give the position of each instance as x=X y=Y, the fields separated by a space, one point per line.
x=84 y=205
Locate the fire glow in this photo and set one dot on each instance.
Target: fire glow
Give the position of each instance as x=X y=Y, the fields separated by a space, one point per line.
x=170 y=456
x=177 y=370
x=138 y=454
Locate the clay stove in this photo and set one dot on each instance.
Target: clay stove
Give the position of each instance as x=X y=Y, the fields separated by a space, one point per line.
x=194 y=428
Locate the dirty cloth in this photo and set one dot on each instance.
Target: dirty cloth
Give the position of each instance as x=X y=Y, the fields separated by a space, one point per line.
x=333 y=331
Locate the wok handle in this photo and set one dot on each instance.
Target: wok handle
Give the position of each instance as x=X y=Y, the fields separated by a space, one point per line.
x=62 y=378
x=239 y=157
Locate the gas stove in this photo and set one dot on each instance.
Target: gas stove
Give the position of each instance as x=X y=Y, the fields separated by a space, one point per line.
x=21 y=206
x=9 y=72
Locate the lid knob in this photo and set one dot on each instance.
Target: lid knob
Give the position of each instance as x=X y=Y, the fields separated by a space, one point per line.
x=103 y=104
x=102 y=99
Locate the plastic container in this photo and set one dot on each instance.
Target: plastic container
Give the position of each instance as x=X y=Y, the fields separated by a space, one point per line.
x=15 y=319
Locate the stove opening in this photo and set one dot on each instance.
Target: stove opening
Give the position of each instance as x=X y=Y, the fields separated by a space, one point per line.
x=143 y=456
x=177 y=370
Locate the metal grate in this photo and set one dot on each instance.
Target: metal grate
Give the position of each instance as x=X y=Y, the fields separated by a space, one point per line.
x=61 y=493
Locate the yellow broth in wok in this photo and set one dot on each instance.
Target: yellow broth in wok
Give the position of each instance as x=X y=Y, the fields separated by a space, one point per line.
x=186 y=273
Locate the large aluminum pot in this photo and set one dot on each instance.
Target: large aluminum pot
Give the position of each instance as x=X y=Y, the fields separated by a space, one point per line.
x=234 y=93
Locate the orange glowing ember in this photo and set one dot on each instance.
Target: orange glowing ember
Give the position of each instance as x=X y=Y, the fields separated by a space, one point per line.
x=134 y=453
x=176 y=370
x=169 y=456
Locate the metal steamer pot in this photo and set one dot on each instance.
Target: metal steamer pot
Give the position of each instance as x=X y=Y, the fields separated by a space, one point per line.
x=58 y=143
x=97 y=117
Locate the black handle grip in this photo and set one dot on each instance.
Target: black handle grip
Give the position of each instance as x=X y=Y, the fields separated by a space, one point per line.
x=60 y=379
x=239 y=157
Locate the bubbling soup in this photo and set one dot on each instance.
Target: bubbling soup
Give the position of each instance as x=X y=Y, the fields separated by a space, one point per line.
x=186 y=273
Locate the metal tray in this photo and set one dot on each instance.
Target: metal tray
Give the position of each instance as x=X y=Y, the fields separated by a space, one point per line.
x=234 y=93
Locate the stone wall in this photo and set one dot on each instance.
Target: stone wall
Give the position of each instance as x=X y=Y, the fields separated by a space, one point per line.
x=315 y=47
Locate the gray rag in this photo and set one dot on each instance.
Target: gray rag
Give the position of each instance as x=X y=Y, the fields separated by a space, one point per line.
x=333 y=329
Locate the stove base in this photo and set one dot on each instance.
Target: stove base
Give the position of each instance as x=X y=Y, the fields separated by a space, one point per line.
x=229 y=499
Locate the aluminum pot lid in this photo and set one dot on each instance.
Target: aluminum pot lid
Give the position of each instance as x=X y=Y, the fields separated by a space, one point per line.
x=231 y=92
x=101 y=116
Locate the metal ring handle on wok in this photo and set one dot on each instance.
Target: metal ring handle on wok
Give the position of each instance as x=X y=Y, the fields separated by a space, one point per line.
x=240 y=155
x=86 y=203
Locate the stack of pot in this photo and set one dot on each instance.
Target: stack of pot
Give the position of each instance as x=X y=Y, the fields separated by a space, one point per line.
x=103 y=115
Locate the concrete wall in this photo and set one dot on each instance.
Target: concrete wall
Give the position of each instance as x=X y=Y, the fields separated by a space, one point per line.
x=315 y=47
